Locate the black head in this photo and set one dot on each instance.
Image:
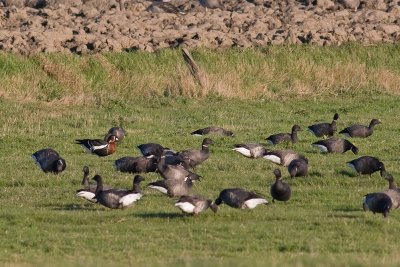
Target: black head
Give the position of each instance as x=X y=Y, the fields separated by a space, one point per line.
x=277 y=174
x=207 y=141
x=375 y=122
x=296 y=128
x=381 y=167
x=387 y=176
x=112 y=139
x=354 y=149
x=213 y=206
x=85 y=170
x=97 y=178
x=229 y=133
x=335 y=117
x=138 y=179
x=60 y=165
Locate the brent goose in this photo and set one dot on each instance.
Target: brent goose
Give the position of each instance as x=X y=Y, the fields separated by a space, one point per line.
x=360 y=130
x=325 y=128
x=194 y=157
x=251 y=150
x=335 y=145
x=212 y=130
x=377 y=203
x=195 y=204
x=140 y=164
x=240 y=199
x=279 y=190
x=298 y=167
x=366 y=165
x=173 y=187
x=283 y=157
x=49 y=161
x=284 y=137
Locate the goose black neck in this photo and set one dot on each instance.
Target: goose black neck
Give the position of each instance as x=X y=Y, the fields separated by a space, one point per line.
x=136 y=187
x=99 y=187
x=205 y=148
x=294 y=136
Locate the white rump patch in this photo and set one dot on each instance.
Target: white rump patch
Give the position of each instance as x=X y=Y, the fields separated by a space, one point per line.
x=270 y=142
x=87 y=195
x=351 y=166
x=159 y=188
x=185 y=207
x=273 y=158
x=323 y=149
x=311 y=131
x=252 y=203
x=244 y=151
x=197 y=134
x=129 y=199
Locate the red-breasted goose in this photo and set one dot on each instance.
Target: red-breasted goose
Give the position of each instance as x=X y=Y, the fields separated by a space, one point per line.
x=298 y=167
x=325 y=128
x=377 y=203
x=99 y=147
x=212 y=130
x=119 y=132
x=284 y=137
x=194 y=157
x=49 y=160
x=195 y=204
x=366 y=165
x=335 y=145
x=279 y=190
x=251 y=150
x=360 y=130
x=240 y=199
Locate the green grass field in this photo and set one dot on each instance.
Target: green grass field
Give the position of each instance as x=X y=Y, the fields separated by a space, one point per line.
x=51 y=100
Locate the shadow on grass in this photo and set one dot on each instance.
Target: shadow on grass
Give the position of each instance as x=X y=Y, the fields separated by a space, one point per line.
x=160 y=215
x=72 y=206
x=347 y=173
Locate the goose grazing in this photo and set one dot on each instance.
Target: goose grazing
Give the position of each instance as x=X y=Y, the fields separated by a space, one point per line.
x=283 y=157
x=335 y=145
x=173 y=187
x=118 y=132
x=99 y=147
x=251 y=150
x=393 y=192
x=194 y=157
x=49 y=160
x=136 y=164
x=174 y=172
x=360 y=130
x=212 y=4
x=366 y=165
x=298 y=167
x=240 y=199
x=280 y=190
x=195 y=204
x=284 y=137
x=151 y=149
x=163 y=6
x=377 y=203
x=118 y=198
x=325 y=128
x=212 y=130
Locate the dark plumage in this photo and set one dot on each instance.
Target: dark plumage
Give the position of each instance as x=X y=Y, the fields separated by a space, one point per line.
x=393 y=192
x=178 y=172
x=194 y=157
x=173 y=187
x=298 y=167
x=160 y=6
x=240 y=199
x=49 y=161
x=377 y=203
x=88 y=190
x=136 y=164
x=195 y=204
x=324 y=129
x=251 y=150
x=99 y=147
x=118 y=198
x=283 y=157
x=335 y=145
x=366 y=165
x=151 y=149
x=284 y=137
x=280 y=190
x=360 y=130
x=213 y=130
x=119 y=132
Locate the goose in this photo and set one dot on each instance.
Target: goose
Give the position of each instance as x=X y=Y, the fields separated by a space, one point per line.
x=136 y=164
x=283 y=157
x=251 y=150
x=279 y=190
x=393 y=192
x=151 y=149
x=177 y=172
x=49 y=160
x=284 y=137
x=212 y=4
x=377 y=203
x=325 y=128
x=212 y=130
x=298 y=167
x=118 y=132
x=366 y=165
x=195 y=204
x=194 y=157
x=99 y=147
x=163 y=6
x=240 y=199
x=335 y=145
x=360 y=130
x=118 y=198
x=88 y=191
x=173 y=187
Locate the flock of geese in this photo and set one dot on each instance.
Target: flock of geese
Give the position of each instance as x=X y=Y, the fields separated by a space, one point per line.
x=177 y=169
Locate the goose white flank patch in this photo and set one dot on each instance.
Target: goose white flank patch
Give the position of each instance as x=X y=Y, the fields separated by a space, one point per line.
x=86 y=195
x=323 y=149
x=351 y=166
x=159 y=188
x=244 y=151
x=129 y=199
x=273 y=158
x=252 y=203
x=185 y=207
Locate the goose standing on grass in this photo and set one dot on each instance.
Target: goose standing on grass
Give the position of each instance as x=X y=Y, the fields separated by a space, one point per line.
x=279 y=190
x=118 y=132
x=335 y=145
x=284 y=137
x=164 y=6
x=49 y=160
x=194 y=157
x=393 y=192
x=325 y=128
x=212 y=130
x=174 y=172
x=251 y=150
x=99 y=147
x=298 y=167
x=366 y=165
x=195 y=204
x=240 y=199
x=212 y=4
x=283 y=157
x=118 y=198
x=136 y=164
x=173 y=187
x=377 y=203
x=360 y=130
